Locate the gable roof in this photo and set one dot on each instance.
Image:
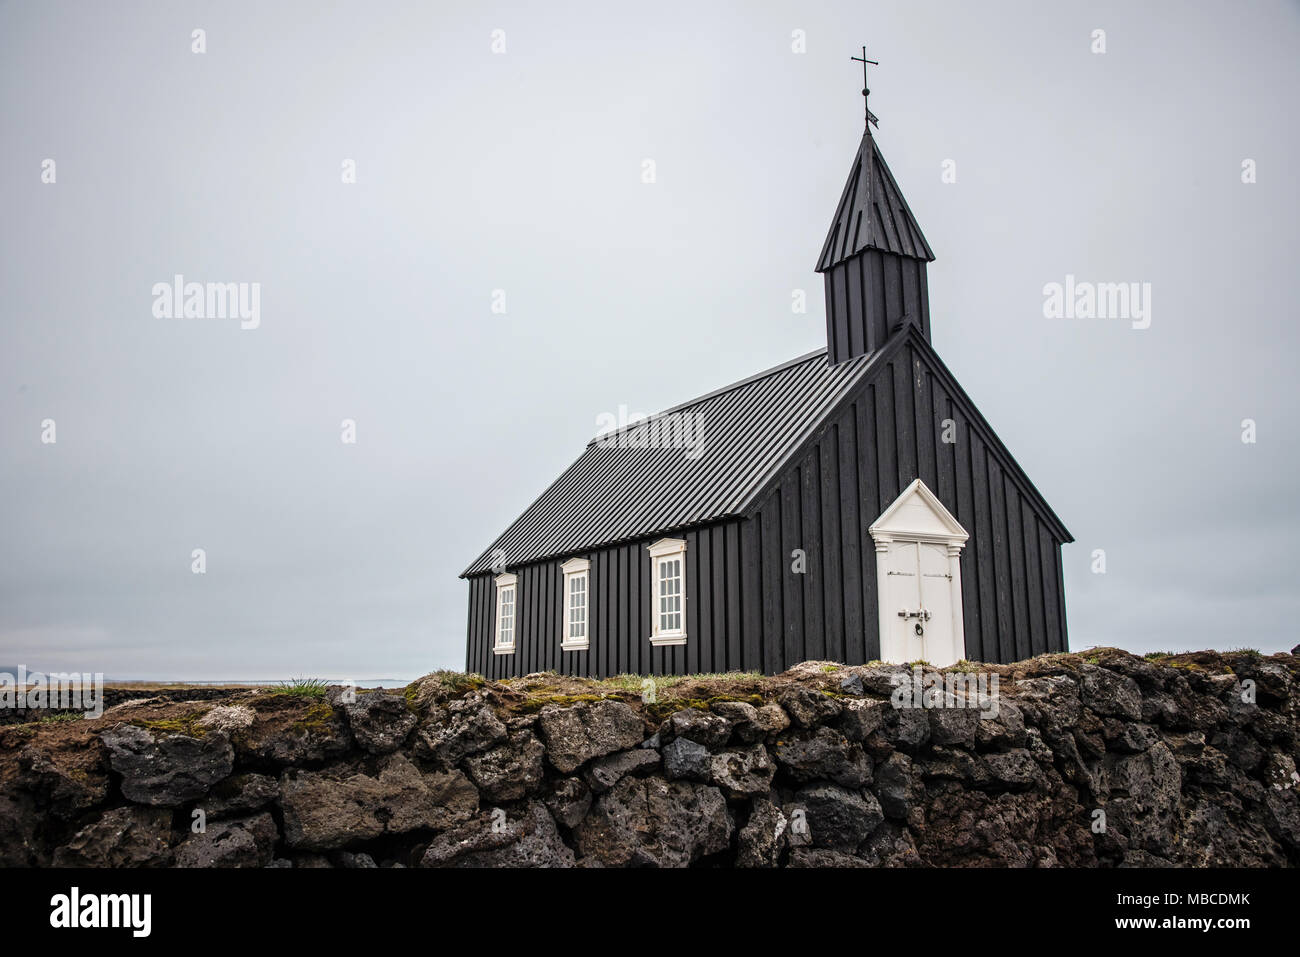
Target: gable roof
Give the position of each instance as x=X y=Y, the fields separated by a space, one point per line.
x=872 y=214
x=619 y=490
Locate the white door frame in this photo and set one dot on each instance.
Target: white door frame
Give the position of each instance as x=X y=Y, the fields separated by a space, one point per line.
x=917 y=515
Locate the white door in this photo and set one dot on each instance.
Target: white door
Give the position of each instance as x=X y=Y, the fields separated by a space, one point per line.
x=918 y=603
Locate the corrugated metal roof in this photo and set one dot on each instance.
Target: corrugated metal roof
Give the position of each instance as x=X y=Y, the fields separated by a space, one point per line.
x=872 y=214
x=622 y=489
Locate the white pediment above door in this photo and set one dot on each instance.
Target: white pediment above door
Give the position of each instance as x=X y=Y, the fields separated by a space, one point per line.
x=918 y=514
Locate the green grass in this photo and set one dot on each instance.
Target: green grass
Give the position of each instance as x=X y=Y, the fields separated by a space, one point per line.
x=302 y=688
x=634 y=682
x=65 y=716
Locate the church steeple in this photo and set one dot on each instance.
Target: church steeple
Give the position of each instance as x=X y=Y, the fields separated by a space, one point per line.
x=874 y=258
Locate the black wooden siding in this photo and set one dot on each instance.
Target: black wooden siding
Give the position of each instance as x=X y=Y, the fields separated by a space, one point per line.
x=747 y=610
x=619 y=613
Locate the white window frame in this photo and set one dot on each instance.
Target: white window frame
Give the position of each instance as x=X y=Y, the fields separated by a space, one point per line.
x=575 y=569
x=666 y=549
x=506 y=584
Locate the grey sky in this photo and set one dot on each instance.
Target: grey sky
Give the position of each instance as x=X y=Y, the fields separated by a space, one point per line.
x=522 y=172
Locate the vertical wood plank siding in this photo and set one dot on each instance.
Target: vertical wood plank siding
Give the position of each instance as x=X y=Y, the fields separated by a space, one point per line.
x=747 y=610
x=866 y=295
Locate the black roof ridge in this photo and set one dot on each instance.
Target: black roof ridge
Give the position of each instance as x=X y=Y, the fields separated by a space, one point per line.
x=799 y=360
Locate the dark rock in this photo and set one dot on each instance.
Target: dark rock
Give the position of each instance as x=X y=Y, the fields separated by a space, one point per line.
x=242 y=842
x=954 y=724
x=574 y=735
x=746 y=724
x=897 y=786
x=1108 y=693
x=760 y=842
x=122 y=837
x=603 y=773
x=240 y=795
x=497 y=839
x=329 y=809
x=1141 y=794
x=380 y=721
x=166 y=770
x=1006 y=729
x=1273 y=682
x=860 y=719
x=1015 y=768
x=1283 y=819
x=808 y=708
x=772 y=719
x=1241 y=748
x=823 y=753
x=890 y=845
x=568 y=801
x=656 y=823
x=710 y=730
x=906 y=728
x=1128 y=737
x=66 y=791
x=684 y=758
x=838 y=818
x=744 y=773
x=511 y=770
x=953 y=765
x=851 y=683
x=21 y=827
x=880 y=679
x=467 y=726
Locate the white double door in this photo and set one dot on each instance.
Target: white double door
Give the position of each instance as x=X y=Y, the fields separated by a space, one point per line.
x=918 y=604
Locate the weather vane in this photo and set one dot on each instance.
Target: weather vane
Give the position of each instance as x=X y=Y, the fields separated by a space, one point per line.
x=871 y=117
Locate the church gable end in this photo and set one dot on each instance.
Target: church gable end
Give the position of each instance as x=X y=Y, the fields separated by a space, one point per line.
x=816 y=516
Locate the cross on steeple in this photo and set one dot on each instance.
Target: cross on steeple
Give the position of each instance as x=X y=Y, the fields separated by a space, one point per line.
x=871 y=117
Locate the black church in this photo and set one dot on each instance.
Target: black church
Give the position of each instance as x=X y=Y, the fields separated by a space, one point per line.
x=851 y=504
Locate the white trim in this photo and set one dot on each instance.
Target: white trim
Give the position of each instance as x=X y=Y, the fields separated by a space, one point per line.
x=902 y=522
x=506 y=584
x=893 y=522
x=664 y=550
x=574 y=569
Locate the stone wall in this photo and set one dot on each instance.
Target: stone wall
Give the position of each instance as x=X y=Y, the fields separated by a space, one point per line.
x=1096 y=760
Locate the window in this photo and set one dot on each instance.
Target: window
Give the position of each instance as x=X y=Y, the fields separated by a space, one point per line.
x=577 y=601
x=507 y=588
x=668 y=581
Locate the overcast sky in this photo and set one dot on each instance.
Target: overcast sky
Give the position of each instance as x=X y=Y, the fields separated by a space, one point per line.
x=522 y=171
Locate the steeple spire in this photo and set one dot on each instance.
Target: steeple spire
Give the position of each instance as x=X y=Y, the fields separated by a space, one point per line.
x=871 y=117
x=874 y=258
